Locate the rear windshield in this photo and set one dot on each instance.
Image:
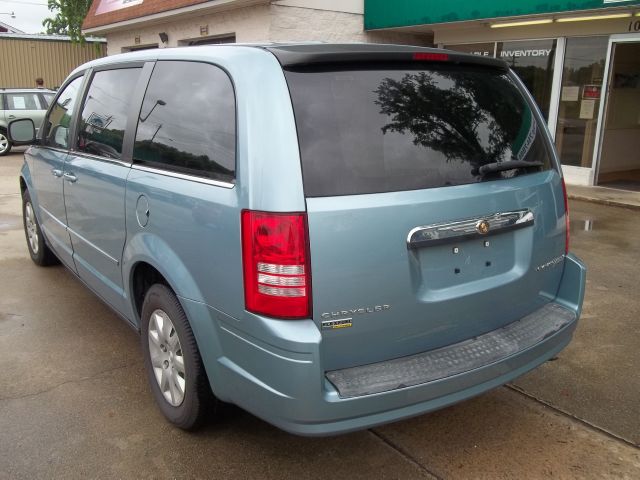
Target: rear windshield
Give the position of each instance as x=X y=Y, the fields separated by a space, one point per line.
x=370 y=130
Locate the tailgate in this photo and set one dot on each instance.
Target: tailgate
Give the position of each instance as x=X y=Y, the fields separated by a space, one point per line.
x=434 y=203
x=401 y=300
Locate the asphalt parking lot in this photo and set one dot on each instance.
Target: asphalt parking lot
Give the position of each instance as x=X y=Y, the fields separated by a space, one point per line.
x=74 y=401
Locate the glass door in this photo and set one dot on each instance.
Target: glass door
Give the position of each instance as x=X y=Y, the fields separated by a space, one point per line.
x=580 y=94
x=619 y=164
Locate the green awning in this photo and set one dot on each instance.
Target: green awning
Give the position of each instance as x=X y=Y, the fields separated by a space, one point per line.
x=405 y=13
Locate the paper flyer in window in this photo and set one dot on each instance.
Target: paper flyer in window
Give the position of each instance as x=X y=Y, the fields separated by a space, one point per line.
x=570 y=94
x=587 y=108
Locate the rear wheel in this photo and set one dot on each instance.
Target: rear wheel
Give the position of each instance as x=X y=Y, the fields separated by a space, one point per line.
x=174 y=367
x=39 y=251
x=5 y=144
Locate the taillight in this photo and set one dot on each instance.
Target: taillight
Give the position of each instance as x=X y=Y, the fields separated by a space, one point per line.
x=566 y=217
x=431 y=56
x=275 y=254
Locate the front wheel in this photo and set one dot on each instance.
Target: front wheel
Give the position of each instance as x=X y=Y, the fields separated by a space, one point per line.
x=5 y=144
x=39 y=251
x=174 y=367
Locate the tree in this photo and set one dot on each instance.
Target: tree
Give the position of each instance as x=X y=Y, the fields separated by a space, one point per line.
x=69 y=15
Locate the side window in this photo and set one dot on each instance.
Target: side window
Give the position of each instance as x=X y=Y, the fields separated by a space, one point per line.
x=23 y=101
x=57 y=124
x=48 y=98
x=187 y=122
x=103 y=119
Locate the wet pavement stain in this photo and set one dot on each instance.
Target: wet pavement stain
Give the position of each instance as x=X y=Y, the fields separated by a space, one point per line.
x=10 y=222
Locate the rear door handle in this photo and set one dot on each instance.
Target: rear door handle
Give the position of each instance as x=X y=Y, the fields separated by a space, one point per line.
x=70 y=177
x=11 y=116
x=56 y=172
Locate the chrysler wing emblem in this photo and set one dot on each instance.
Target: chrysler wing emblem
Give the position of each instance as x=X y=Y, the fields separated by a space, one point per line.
x=482 y=227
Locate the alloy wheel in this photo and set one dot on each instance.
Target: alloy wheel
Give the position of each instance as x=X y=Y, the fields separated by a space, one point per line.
x=4 y=143
x=167 y=358
x=31 y=227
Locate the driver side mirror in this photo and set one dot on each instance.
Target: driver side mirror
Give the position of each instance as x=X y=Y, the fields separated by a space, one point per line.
x=22 y=132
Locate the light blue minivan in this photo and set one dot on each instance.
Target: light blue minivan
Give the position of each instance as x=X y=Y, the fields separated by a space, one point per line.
x=329 y=236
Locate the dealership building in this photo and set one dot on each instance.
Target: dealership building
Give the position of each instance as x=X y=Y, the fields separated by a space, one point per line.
x=579 y=58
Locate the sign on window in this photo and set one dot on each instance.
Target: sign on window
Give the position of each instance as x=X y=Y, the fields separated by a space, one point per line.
x=112 y=5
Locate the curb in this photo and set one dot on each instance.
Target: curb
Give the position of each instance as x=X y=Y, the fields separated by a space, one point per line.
x=604 y=201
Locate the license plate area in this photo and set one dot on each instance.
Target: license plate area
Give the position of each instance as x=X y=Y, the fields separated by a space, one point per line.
x=451 y=264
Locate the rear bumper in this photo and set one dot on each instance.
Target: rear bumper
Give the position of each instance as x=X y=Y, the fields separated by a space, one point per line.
x=275 y=370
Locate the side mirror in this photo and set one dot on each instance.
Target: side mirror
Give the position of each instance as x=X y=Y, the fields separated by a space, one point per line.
x=22 y=131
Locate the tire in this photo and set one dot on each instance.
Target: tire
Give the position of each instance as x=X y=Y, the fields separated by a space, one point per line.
x=39 y=251
x=5 y=144
x=173 y=362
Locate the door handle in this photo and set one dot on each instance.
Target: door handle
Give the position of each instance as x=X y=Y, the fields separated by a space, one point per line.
x=70 y=177
x=56 y=172
x=11 y=116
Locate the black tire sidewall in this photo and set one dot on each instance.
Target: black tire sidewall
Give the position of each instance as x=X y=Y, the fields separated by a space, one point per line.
x=38 y=258
x=189 y=414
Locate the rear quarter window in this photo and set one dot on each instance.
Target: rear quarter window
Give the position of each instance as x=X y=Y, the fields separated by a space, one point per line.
x=372 y=129
x=187 y=122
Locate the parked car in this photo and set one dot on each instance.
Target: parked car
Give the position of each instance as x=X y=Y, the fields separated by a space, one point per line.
x=18 y=103
x=329 y=236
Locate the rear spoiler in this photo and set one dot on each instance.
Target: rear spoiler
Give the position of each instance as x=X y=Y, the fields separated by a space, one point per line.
x=318 y=54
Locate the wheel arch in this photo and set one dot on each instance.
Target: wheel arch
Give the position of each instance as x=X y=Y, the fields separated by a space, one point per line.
x=146 y=258
x=23 y=185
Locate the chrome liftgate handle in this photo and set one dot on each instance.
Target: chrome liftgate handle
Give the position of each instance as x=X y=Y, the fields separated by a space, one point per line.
x=478 y=227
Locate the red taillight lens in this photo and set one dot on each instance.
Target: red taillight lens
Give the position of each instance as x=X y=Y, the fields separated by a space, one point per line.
x=431 y=57
x=566 y=217
x=275 y=254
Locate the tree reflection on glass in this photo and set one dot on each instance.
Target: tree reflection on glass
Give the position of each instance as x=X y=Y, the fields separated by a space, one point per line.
x=469 y=118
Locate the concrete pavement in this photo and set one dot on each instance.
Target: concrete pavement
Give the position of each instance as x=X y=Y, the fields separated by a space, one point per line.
x=605 y=196
x=596 y=377
x=74 y=401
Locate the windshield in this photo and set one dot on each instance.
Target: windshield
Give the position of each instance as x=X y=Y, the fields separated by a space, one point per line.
x=370 y=130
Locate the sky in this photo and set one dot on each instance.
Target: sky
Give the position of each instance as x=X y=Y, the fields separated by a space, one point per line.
x=29 y=14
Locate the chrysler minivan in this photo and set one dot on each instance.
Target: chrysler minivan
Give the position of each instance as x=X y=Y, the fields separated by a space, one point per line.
x=329 y=236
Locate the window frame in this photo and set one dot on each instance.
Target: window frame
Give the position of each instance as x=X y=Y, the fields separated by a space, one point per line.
x=146 y=67
x=41 y=132
x=162 y=168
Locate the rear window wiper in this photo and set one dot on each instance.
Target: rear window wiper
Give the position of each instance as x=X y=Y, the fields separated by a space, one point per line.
x=507 y=165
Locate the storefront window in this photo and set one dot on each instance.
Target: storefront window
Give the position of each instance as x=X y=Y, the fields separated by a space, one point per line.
x=533 y=61
x=482 y=49
x=580 y=99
